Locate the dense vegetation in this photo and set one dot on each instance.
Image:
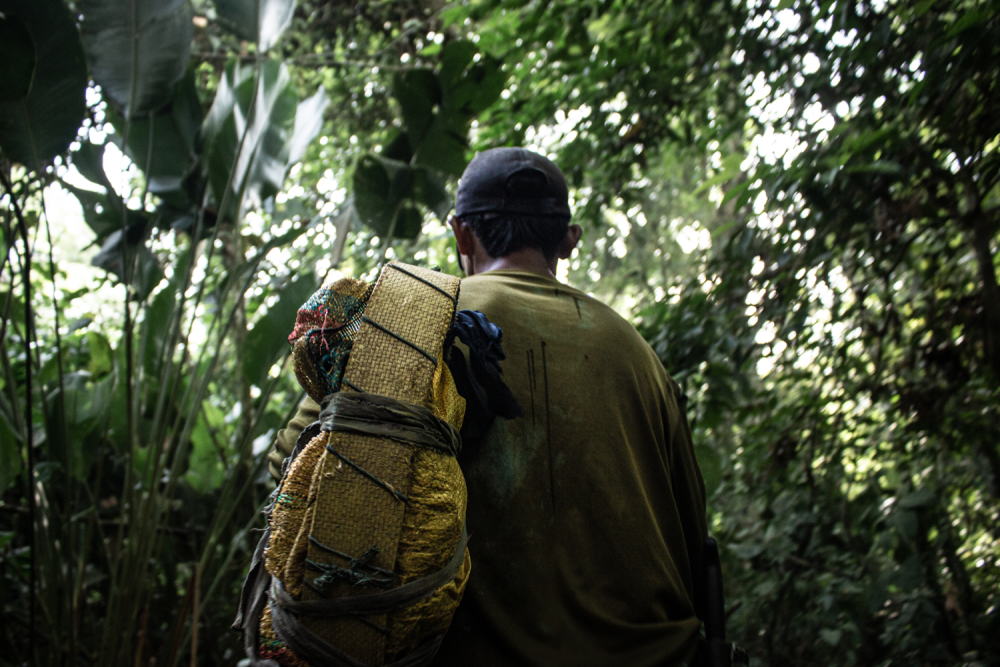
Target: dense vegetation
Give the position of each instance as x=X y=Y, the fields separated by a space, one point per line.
x=795 y=202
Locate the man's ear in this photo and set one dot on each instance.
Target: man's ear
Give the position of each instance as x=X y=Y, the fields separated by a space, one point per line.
x=570 y=241
x=464 y=236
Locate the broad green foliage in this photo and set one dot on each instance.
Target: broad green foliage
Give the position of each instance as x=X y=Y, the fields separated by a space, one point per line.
x=39 y=121
x=437 y=108
x=244 y=149
x=260 y=21
x=136 y=49
x=144 y=428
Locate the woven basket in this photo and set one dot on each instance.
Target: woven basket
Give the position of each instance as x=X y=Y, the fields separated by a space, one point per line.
x=358 y=514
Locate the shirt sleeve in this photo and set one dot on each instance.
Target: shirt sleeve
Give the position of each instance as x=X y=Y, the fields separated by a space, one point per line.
x=284 y=442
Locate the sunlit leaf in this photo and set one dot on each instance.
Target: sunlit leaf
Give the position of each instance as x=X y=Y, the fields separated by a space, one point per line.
x=308 y=123
x=163 y=145
x=261 y=21
x=89 y=161
x=258 y=165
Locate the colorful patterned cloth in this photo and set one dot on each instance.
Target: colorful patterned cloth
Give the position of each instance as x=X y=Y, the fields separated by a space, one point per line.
x=324 y=334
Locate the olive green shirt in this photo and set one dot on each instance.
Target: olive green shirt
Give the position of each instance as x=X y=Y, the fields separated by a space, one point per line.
x=587 y=513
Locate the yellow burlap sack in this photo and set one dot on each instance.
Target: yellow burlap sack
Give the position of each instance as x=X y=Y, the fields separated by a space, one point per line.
x=357 y=514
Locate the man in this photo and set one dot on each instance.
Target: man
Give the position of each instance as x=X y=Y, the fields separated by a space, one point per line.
x=587 y=513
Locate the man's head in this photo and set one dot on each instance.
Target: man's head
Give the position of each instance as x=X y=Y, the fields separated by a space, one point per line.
x=512 y=211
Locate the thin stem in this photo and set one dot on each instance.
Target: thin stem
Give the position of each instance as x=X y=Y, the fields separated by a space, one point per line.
x=28 y=410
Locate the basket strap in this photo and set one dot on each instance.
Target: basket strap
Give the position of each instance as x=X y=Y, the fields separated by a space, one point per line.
x=285 y=611
x=384 y=417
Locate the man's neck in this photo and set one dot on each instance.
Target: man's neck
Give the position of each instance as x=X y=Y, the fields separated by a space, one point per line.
x=526 y=259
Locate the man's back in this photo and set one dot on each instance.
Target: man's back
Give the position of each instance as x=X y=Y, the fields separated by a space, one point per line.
x=586 y=513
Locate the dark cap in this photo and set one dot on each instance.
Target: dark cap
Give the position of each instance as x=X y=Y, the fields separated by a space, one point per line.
x=512 y=180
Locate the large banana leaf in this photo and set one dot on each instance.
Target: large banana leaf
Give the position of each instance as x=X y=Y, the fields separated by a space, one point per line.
x=39 y=123
x=273 y=129
x=262 y=121
x=174 y=131
x=260 y=21
x=137 y=49
x=17 y=58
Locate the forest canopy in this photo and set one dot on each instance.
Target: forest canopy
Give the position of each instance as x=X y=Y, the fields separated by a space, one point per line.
x=794 y=201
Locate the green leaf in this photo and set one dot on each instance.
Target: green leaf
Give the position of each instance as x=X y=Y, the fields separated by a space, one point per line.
x=261 y=21
x=746 y=551
x=453 y=14
x=398 y=148
x=174 y=133
x=905 y=521
x=262 y=161
x=730 y=168
x=831 y=637
x=478 y=89
x=409 y=221
x=969 y=19
x=718 y=179
x=429 y=189
x=371 y=192
x=731 y=163
x=308 y=123
x=143 y=268
x=102 y=212
x=456 y=57
x=923 y=7
x=877 y=167
x=89 y=161
x=74 y=411
x=12 y=304
x=417 y=92
x=17 y=59
x=39 y=126
x=442 y=149
x=10 y=454
x=157 y=329
x=205 y=467
x=269 y=336
x=739 y=188
x=785 y=4
x=918 y=499
x=140 y=43
x=380 y=187
x=711 y=467
x=100 y=354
